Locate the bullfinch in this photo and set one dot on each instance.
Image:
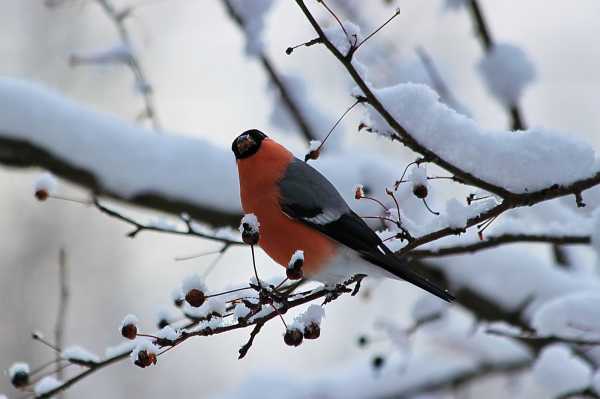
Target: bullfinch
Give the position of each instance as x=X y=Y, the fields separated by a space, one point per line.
x=299 y=209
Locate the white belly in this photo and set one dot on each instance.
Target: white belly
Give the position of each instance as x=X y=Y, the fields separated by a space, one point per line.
x=345 y=265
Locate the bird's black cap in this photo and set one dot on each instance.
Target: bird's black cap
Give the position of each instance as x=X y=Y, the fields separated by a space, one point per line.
x=247 y=143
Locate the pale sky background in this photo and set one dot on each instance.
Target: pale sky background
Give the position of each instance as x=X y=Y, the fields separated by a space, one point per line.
x=206 y=86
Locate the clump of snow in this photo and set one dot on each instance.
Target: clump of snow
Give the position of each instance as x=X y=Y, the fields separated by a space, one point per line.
x=210 y=306
x=193 y=281
x=576 y=315
x=252 y=14
x=314 y=314
x=534 y=159
x=297 y=256
x=240 y=310
x=177 y=294
x=46 y=385
x=342 y=42
x=17 y=368
x=418 y=176
x=143 y=344
x=249 y=223
x=427 y=307
x=165 y=313
x=507 y=71
x=46 y=182
x=79 y=354
x=120 y=349
x=456 y=214
x=168 y=332
x=559 y=371
x=129 y=319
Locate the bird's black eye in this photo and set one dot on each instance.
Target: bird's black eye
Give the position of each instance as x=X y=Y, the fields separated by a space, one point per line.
x=247 y=143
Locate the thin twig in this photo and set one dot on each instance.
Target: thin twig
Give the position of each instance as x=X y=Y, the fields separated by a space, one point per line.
x=61 y=319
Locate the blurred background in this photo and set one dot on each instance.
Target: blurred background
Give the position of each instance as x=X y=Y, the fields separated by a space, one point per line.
x=205 y=85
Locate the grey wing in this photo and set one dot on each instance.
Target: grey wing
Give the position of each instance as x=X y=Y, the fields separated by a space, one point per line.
x=307 y=196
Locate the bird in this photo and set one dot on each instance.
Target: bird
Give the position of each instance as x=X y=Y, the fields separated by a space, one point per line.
x=298 y=208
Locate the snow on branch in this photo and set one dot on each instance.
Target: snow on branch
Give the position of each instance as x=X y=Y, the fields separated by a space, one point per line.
x=39 y=127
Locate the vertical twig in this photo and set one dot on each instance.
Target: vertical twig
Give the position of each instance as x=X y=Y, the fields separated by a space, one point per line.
x=59 y=327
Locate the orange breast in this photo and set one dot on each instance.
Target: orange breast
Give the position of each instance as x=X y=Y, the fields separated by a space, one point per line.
x=280 y=236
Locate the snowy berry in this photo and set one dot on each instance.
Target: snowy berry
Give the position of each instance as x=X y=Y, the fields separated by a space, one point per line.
x=145 y=359
x=420 y=191
x=249 y=227
x=195 y=297
x=312 y=331
x=129 y=327
x=293 y=337
x=294 y=269
x=359 y=191
x=19 y=375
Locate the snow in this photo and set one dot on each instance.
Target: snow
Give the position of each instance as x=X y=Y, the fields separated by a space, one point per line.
x=559 y=371
x=193 y=281
x=507 y=71
x=120 y=349
x=575 y=315
x=78 y=353
x=211 y=305
x=240 y=310
x=456 y=214
x=109 y=148
x=177 y=294
x=314 y=314
x=418 y=176
x=531 y=160
x=297 y=256
x=129 y=319
x=338 y=38
x=46 y=385
x=165 y=313
x=427 y=307
x=512 y=276
x=503 y=328
x=143 y=344
x=18 y=367
x=168 y=333
x=251 y=222
x=253 y=14
x=46 y=182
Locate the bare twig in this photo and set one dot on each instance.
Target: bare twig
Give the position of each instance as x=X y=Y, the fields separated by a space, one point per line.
x=139 y=227
x=118 y=18
x=61 y=319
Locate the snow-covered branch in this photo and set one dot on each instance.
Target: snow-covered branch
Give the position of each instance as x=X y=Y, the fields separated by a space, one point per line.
x=493 y=241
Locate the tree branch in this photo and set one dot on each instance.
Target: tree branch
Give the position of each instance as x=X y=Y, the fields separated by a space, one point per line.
x=495 y=241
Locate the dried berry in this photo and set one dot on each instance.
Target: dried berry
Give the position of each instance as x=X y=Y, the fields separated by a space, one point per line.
x=378 y=362
x=20 y=379
x=145 y=359
x=293 y=337
x=312 y=331
x=42 y=194
x=129 y=331
x=195 y=297
x=420 y=191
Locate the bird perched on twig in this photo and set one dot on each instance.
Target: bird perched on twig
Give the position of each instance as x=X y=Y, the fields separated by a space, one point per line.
x=299 y=209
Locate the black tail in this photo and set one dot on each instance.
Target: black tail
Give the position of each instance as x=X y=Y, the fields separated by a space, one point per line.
x=398 y=268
